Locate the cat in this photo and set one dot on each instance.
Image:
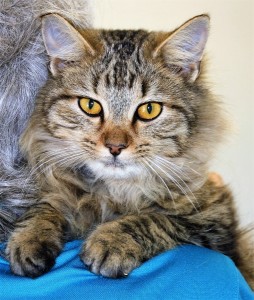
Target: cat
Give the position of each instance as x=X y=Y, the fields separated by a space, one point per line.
x=23 y=71
x=119 y=145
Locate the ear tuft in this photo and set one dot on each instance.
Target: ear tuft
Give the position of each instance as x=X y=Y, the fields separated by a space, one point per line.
x=184 y=48
x=63 y=42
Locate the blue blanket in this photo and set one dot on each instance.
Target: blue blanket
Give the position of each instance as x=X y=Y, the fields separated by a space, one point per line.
x=186 y=272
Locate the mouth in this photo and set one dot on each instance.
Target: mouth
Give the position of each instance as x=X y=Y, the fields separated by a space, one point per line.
x=114 y=163
x=113 y=168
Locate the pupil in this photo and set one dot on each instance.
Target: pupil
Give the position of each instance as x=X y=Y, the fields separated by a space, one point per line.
x=90 y=104
x=149 y=108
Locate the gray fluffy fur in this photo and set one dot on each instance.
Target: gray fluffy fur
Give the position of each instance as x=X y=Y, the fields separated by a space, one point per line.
x=23 y=71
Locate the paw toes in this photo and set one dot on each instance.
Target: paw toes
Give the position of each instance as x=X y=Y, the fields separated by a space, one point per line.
x=38 y=264
x=110 y=262
x=31 y=259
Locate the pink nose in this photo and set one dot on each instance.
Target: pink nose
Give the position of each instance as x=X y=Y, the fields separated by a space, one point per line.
x=115 y=149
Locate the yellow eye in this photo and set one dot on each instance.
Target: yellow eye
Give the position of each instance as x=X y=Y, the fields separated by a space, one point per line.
x=149 y=111
x=90 y=107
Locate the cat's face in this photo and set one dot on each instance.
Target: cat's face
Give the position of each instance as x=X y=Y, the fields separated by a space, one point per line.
x=121 y=103
x=120 y=115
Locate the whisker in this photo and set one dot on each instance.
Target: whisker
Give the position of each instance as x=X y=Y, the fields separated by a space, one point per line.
x=180 y=169
x=163 y=181
x=175 y=182
x=57 y=159
x=176 y=172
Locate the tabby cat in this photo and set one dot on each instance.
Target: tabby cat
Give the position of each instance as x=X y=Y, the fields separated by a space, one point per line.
x=119 y=144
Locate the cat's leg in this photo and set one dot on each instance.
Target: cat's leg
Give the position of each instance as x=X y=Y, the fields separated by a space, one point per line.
x=36 y=241
x=115 y=248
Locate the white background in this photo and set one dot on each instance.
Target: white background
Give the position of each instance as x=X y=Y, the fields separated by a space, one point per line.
x=231 y=64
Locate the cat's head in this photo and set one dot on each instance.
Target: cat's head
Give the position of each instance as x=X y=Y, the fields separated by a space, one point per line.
x=123 y=104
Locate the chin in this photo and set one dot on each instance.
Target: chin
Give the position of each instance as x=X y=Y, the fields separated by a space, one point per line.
x=114 y=170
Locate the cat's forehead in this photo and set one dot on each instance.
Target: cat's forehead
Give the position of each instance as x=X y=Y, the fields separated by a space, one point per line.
x=123 y=43
x=119 y=68
x=122 y=55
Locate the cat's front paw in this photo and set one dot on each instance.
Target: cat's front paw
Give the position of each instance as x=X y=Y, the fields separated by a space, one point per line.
x=29 y=255
x=110 y=253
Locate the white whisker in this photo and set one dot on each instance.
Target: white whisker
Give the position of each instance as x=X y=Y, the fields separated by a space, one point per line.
x=50 y=160
x=163 y=181
x=177 y=174
x=177 y=171
x=180 y=187
x=179 y=168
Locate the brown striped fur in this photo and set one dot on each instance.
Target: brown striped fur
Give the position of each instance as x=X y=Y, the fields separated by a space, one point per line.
x=133 y=188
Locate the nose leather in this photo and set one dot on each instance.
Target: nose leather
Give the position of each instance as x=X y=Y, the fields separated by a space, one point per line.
x=116 y=140
x=115 y=149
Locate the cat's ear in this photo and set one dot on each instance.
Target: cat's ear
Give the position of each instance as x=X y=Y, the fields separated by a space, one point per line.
x=183 y=49
x=64 y=44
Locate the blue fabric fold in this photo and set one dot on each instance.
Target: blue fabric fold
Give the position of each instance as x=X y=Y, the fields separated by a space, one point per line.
x=186 y=272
